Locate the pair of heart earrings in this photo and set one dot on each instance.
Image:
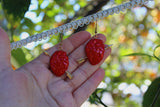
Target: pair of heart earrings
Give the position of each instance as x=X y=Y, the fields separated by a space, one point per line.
x=59 y=61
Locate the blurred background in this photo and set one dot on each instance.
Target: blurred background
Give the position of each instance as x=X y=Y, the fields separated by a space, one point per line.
x=133 y=69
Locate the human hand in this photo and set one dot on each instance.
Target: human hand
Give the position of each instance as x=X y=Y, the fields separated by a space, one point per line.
x=33 y=85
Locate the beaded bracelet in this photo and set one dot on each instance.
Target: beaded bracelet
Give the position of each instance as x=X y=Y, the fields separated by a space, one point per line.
x=79 y=23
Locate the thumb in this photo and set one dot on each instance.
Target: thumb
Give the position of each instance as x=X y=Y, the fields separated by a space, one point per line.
x=5 y=50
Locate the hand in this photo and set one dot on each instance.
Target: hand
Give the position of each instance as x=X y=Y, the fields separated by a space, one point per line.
x=33 y=85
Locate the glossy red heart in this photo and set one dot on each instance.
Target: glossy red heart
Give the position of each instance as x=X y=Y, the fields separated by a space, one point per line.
x=95 y=51
x=59 y=63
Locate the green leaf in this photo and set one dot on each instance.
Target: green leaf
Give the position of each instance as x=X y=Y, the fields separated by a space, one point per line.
x=28 y=23
x=60 y=2
x=14 y=10
x=118 y=1
x=124 y=51
x=158 y=34
x=18 y=57
x=138 y=54
x=150 y=94
x=156 y=52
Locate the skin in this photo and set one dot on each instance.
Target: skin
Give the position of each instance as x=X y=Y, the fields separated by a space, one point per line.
x=33 y=85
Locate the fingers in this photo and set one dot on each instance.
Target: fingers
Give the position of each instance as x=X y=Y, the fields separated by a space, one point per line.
x=68 y=45
x=4 y=49
x=80 y=53
x=84 y=71
x=87 y=88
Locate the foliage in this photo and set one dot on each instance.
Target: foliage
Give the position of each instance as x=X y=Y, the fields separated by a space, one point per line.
x=151 y=93
x=14 y=12
x=16 y=8
x=135 y=35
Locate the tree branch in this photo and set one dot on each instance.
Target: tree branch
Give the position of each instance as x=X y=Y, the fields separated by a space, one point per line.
x=97 y=5
x=91 y=8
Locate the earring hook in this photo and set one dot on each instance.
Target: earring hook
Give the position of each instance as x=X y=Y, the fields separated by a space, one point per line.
x=95 y=30
x=61 y=45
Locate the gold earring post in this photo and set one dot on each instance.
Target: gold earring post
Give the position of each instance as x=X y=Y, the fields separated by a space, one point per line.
x=81 y=60
x=95 y=30
x=46 y=53
x=108 y=46
x=69 y=75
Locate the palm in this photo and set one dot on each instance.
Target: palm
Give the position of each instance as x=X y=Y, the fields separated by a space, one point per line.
x=33 y=85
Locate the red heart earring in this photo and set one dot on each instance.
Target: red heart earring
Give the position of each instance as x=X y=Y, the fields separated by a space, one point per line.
x=59 y=62
x=94 y=50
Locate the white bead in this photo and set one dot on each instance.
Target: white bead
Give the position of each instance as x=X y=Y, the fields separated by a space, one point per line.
x=116 y=10
x=142 y=2
x=138 y=2
x=146 y=1
x=75 y=26
x=69 y=26
x=111 y=12
x=19 y=44
x=52 y=32
x=14 y=45
x=72 y=24
x=80 y=23
x=29 y=40
x=91 y=18
x=95 y=17
x=49 y=32
x=129 y=5
x=55 y=31
x=100 y=15
x=123 y=8
x=24 y=42
x=86 y=21
x=133 y=4
x=60 y=29
x=34 y=38
x=105 y=13
x=39 y=37
x=11 y=46
x=65 y=29
x=44 y=36
x=50 y=36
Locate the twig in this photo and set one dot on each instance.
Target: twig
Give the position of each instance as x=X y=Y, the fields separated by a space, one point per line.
x=100 y=100
x=98 y=5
